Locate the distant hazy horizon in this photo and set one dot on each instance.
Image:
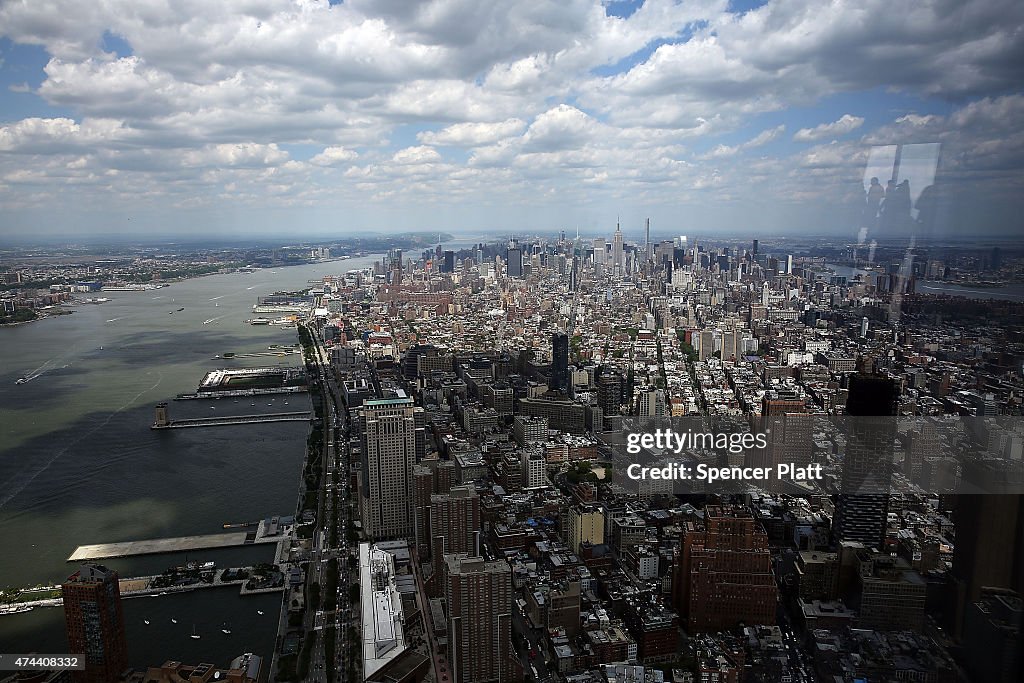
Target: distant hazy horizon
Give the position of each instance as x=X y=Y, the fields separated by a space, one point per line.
x=296 y=239
x=138 y=117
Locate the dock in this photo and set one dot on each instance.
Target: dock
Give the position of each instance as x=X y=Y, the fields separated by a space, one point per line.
x=154 y=546
x=225 y=420
x=141 y=586
x=239 y=393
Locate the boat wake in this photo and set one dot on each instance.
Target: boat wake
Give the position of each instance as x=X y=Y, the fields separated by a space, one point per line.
x=15 y=486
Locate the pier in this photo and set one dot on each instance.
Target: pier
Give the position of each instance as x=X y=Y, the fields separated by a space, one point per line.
x=161 y=419
x=238 y=393
x=155 y=546
x=260 y=354
x=301 y=416
x=143 y=586
x=278 y=533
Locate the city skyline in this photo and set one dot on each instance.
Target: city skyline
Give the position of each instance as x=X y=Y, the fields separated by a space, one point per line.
x=551 y=341
x=341 y=118
x=469 y=507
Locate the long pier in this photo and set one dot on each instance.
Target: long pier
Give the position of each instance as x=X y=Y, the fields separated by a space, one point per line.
x=237 y=393
x=142 y=586
x=299 y=416
x=155 y=546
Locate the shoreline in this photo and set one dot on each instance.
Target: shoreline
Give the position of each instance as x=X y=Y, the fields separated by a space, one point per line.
x=168 y=283
x=36 y=319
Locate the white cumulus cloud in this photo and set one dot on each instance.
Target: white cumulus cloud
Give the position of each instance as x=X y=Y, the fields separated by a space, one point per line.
x=847 y=123
x=332 y=156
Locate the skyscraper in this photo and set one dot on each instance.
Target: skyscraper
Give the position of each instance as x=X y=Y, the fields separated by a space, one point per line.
x=618 y=254
x=454 y=525
x=599 y=250
x=448 y=264
x=479 y=595
x=423 y=491
x=989 y=548
x=559 y=380
x=791 y=431
x=95 y=623
x=724 y=572
x=647 y=238
x=515 y=262
x=609 y=391
x=992 y=637
x=864 y=499
x=389 y=454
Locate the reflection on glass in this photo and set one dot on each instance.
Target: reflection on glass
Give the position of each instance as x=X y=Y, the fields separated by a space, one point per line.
x=916 y=168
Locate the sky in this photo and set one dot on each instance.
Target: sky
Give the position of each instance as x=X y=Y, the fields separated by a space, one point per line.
x=266 y=117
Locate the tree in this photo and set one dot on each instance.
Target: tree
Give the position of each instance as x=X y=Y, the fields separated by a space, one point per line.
x=20 y=315
x=690 y=353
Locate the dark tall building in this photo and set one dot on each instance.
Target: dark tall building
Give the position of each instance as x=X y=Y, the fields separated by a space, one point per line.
x=479 y=595
x=996 y=260
x=992 y=636
x=724 y=576
x=989 y=548
x=95 y=623
x=559 y=380
x=863 y=504
x=609 y=391
x=755 y=248
x=448 y=264
x=454 y=525
x=422 y=491
x=515 y=262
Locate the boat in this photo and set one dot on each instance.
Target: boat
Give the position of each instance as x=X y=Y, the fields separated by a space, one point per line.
x=146 y=622
x=21 y=380
x=194 y=636
x=225 y=629
x=260 y=612
x=181 y=309
x=173 y=620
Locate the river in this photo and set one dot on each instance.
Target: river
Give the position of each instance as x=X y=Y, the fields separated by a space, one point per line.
x=79 y=464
